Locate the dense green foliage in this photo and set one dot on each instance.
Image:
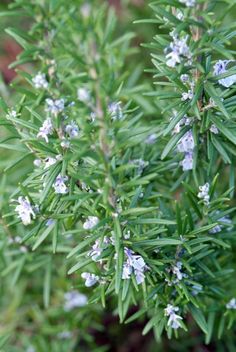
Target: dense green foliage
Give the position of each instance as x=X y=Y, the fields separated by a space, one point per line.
x=114 y=187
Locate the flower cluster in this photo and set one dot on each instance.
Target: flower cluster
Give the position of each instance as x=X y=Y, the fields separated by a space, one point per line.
x=176 y=270
x=177 y=50
x=40 y=81
x=204 y=193
x=55 y=106
x=134 y=264
x=174 y=319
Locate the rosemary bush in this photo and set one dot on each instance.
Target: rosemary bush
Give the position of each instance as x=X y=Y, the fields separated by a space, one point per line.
x=117 y=193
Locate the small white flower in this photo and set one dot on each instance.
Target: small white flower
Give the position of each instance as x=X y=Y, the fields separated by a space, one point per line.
x=59 y=185
x=65 y=144
x=45 y=130
x=179 y=15
x=83 y=95
x=184 y=78
x=220 y=68
x=115 y=111
x=23 y=249
x=55 y=106
x=92 y=117
x=98 y=248
x=212 y=102
x=17 y=239
x=37 y=162
x=25 y=210
x=91 y=222
x=90 y=279
x=173 y=58
x=174 y=321
x=59 y=157
x=231 y=304
x=170 y=310
x=40 y=81
x=188 y=3
x=74 y=299
x=127 y=271
x=127 y=235
x=11 y=114
x=177 y=271
x=214 y=129
x=204 y=193
x=185 y=121
x=187 y=95
x=185 y=145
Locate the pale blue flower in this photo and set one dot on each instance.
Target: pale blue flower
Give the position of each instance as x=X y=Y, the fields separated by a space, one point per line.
x=220 y=68
x=90 y=279
x=45 y=130
x=59 y=185
x=25 y=210
x=174 y=319
x=74 y=299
